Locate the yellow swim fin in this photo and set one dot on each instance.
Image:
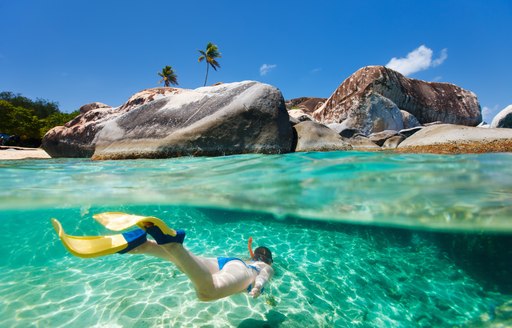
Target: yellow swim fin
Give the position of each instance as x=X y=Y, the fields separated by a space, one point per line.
x=94 y=246
x=118 y=221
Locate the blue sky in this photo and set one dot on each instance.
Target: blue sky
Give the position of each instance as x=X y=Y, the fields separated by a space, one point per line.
x=76 y=52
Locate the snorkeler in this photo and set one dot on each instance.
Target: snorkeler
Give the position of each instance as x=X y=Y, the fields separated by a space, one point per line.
x=213 y=278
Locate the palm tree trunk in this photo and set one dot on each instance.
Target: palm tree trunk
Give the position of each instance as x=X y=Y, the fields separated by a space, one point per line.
x=207 y=67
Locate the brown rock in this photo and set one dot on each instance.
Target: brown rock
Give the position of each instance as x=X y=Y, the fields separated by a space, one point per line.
x=427 y=101
x=307 y=104
x=95 y=105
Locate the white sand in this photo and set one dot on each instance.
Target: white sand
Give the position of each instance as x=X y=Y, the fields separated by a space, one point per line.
x=21 y=153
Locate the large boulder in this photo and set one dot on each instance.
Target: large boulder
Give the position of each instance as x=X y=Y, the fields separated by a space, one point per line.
x=234 y=118
x=313 y=136
x=374 y=114
x=426 y=101
x=77 y=138
x=455 y=139
x=503 y=119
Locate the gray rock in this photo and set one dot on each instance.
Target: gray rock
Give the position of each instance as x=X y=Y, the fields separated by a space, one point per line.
x=300 y=115
x=393 y=142
x=503 y=119
x=373 y=113
x=312 y=136
x=380 y=137
x=409 y=120
x=77 y=138
x=350 y=133
x=293 y=120
x=449 y=138
x=409 y=132
x=427 y=101
x=235 y=118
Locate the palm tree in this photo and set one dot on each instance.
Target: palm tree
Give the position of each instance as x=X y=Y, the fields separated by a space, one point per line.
x=211 y=53
x=168 y=76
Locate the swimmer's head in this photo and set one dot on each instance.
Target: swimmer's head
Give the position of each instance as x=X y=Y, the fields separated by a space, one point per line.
x=263 y=254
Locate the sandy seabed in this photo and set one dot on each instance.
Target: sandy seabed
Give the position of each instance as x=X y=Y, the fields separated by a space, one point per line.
x=7 y=153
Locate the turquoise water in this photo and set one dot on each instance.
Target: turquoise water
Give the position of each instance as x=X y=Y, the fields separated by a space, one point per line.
x=360 y=240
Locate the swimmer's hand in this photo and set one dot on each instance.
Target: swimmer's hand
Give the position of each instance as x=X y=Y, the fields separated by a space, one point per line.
x=255 y=292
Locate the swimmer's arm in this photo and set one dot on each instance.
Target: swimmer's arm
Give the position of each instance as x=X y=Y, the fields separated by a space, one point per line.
x=261 y=279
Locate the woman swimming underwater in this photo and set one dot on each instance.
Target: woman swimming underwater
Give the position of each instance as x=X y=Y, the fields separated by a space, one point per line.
x=213 y=278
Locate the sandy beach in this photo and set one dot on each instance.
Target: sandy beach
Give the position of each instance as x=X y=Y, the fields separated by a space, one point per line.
x=8 y=153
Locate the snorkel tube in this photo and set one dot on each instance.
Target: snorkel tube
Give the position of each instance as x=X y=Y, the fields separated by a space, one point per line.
x=249 y=246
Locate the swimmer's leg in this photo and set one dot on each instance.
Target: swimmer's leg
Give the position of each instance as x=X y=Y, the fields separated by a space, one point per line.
x=209 y=282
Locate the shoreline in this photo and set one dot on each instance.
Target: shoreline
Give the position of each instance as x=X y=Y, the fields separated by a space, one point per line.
x=14 y=153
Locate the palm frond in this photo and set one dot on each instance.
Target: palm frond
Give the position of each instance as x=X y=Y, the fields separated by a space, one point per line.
x=168 y=76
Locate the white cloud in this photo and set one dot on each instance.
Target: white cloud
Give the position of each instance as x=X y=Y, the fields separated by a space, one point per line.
x=442 y=57
x=265 y=68
x=417 y=60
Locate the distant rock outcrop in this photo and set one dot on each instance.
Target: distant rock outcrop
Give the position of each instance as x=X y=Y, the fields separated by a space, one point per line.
x=95 y=105
x=307 y=104
x=371 y=100
x=234 y=118
x=503 y=119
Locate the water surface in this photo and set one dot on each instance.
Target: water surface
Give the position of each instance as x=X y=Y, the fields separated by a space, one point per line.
x=360 y=239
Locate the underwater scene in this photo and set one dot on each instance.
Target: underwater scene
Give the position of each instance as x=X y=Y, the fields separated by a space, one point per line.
x=359 y=240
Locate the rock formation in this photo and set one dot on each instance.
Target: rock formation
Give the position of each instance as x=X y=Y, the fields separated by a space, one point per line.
x=307 y=104
x=243 y=117
x=377 y=90
x=455 y=139
x=312 y=136
x=503 y=119
x=77 y=138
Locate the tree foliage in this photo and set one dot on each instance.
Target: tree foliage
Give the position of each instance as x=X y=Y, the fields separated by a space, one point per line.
x=168 y=76
x=28 y=119
x=210 y=56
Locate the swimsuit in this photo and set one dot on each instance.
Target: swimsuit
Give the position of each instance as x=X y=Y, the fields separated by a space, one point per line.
x=223 y=260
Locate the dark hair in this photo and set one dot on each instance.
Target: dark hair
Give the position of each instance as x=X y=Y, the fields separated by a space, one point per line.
x=263 y=254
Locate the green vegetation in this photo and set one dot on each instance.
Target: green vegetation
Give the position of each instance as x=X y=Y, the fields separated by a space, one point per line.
x=168 y=76
x=210 y=55
x=28 y=119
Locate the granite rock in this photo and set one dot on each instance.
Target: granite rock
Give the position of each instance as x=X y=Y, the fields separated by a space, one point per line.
x=456 y=139
x=503 y=119
x=380 y=137
x=313 y=136
x=426 y=101
x=233 y=118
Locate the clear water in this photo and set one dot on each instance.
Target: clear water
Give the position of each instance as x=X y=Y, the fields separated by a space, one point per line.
x=360 y=240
